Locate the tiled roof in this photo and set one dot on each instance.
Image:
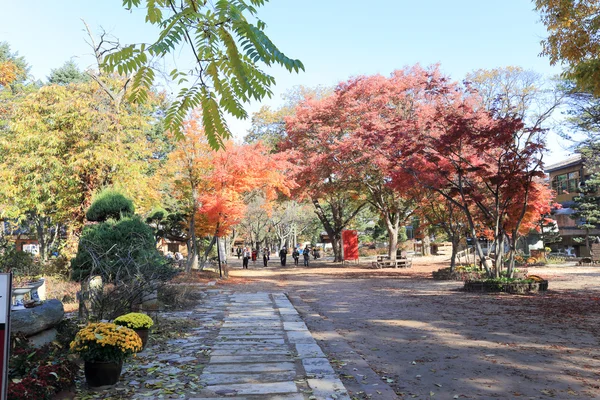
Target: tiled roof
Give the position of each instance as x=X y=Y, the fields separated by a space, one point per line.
x=567 y=162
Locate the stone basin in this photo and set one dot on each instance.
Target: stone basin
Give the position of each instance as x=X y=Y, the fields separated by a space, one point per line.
x=19 y=293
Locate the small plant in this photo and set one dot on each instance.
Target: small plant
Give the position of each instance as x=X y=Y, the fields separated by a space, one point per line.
x=28 y=388
x=39 y=373
x=134 y=321
x=106 y=342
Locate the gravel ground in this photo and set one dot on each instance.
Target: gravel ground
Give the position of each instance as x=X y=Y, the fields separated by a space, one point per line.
x=426 y=339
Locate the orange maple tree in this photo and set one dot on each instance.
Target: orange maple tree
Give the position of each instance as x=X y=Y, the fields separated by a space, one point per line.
x=212 y=186
x=238 y=170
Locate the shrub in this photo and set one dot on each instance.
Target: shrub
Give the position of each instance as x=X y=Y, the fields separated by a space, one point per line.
x=460 y=273
x=20 y=263
x=366 y=252
x=112 y=245
x=58 y=266
x=59 y=288
x=109 y=204
x=123 y=253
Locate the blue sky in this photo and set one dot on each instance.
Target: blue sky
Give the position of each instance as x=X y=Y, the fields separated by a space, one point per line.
x=335 y=39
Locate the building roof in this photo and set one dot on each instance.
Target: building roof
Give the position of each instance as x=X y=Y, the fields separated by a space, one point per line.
x=567 y=162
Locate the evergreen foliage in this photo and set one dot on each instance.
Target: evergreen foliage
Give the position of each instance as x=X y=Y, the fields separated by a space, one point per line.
x=114 y=247
x=68 y=73
x=109 y=204
x=587 y=202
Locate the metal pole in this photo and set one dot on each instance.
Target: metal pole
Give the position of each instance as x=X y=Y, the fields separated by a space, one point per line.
x=219 y=258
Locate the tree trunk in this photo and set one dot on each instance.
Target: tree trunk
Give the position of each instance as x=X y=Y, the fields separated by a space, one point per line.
x=41 y=237
x=499 y=256
x=392 y=224
x=192 y=258
x=207 y=251
x=336 y=244
x=455 y=244
x=587 y=243
x=335 y=227
x=426 y=245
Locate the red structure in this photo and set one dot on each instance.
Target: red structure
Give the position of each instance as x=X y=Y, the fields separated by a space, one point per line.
x=350 y=243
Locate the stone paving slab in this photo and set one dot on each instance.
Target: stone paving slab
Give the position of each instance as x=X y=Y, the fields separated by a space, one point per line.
x=245 y=351
x=249 y=346
x=244 y=331
x=249 y=359
x=264 y=350
x=256 y=342
x=257 y=388
x=274 y=397
x=249 y=337
x=316 y=366
x=324 y=388
x=279 y=376
x=309 y=350
x=294 y=326
x=300 y=337
x=260 y=368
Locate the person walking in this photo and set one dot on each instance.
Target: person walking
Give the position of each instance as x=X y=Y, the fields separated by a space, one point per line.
x=306 y=254
x=283 y=256
x=245 y=258
x=296 y=255
x=254 y=256
x=265 y=257
x=239 y=252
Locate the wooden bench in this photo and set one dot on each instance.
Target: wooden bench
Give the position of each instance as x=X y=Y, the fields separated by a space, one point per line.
x=404 y=263
x=399 y=263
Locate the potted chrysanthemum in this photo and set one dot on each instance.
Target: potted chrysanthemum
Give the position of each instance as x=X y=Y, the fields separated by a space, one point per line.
x=103 y=346
x=140 y=323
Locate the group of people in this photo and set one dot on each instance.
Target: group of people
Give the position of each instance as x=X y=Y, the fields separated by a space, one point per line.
x=246 y=254
x=296 y=255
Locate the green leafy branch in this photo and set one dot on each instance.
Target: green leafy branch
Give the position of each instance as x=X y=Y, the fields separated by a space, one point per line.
x=227 y=49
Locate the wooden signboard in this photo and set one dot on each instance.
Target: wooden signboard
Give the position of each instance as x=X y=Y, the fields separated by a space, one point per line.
x=5 y=303
x=350 y=244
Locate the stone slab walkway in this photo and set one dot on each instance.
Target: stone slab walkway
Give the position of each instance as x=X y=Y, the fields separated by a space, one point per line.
x=231 y=345
x=264 y=350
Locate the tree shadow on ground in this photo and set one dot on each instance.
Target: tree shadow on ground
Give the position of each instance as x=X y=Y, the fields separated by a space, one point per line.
x=430 y=338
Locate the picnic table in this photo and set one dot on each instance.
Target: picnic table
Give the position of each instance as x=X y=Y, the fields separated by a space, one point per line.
x=387 y=263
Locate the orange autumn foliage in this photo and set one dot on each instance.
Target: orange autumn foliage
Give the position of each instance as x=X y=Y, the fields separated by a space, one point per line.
x=239 y=170
x=8 y=73
x=216 y=183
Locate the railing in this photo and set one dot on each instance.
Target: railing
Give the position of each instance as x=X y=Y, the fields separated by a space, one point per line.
x=464 y=254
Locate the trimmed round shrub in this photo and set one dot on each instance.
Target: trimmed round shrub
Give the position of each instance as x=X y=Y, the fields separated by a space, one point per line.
x=115 y=245
x=109 y=204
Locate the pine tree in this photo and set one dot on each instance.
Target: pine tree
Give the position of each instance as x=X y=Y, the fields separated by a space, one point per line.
x=587 y=203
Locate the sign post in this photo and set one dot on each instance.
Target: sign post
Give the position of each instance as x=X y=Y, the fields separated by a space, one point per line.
x=350 y=245
x=5 y=303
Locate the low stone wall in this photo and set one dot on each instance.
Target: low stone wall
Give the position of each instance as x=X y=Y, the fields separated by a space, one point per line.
x=510 y=287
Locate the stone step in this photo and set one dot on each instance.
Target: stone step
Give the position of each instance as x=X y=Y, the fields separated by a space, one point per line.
x=246 y=359
x=258 y=368
x=219 y=379
x=257 y=388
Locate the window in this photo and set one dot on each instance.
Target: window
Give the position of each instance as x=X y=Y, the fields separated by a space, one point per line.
x=566 y=183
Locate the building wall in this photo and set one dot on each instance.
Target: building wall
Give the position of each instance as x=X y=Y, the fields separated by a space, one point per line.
x=563 y=195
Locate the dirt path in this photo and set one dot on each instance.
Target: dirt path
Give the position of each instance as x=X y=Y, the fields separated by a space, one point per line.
x=426 y=339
